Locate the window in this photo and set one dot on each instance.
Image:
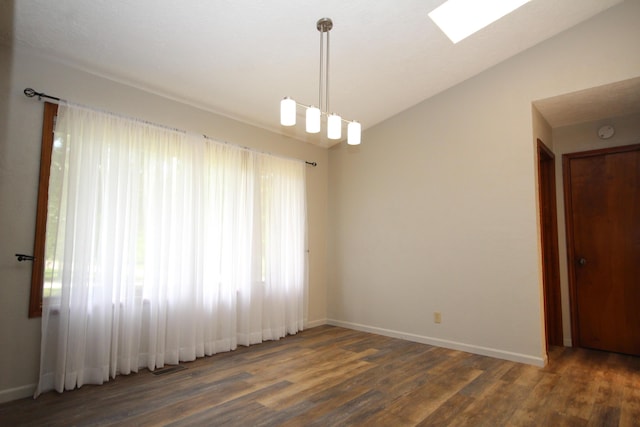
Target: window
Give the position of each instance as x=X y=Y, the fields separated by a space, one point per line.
x=160 y=247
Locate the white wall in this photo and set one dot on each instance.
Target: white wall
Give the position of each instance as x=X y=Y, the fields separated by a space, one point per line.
x=20 y=132
x=541 y=129
x=572 y=139
x=437 y=211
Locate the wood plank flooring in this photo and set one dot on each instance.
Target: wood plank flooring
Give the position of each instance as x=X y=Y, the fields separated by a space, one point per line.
x=331 y=376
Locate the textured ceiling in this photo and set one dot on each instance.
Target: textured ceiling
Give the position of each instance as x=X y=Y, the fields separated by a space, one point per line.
x=612 y=100
x=238 y=58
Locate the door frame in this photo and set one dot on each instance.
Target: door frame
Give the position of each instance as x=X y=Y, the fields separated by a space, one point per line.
x=549 y=245
x=568 y=215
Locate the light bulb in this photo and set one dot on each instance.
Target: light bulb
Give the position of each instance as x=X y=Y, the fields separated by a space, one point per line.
x=313 y=120
x=334 y=126
x=287 y=112
x=354 y=131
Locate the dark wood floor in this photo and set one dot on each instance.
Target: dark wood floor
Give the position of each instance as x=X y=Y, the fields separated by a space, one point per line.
x=330 y=376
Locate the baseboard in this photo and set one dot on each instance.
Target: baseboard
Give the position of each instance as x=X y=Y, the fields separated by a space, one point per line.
x=454 y=345
x=315 y=323
x=17 y=393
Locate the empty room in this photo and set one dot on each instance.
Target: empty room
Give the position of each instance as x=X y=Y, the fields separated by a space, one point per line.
x=320 y=213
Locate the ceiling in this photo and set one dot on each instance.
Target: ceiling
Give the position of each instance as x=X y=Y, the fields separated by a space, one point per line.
x=593 y=104
x=238 y=58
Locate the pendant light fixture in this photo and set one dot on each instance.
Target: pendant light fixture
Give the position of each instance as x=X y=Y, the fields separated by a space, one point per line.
x=314 y=113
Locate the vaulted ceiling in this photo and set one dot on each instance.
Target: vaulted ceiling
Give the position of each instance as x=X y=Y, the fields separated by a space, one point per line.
x=238 y=58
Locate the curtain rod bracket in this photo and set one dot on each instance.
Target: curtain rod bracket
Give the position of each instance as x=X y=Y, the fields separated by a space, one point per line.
x=23 y=257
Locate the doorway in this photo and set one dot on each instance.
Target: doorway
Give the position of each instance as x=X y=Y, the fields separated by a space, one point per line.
x=602 y=208
x=549 y=242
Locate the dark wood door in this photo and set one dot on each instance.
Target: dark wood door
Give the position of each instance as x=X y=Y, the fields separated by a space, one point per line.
x=549 y=240
x=603 y=223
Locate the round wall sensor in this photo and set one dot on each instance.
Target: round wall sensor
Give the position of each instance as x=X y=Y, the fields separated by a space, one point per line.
x=606 y=132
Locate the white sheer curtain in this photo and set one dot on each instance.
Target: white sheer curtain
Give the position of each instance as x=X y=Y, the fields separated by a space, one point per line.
x=163 y=247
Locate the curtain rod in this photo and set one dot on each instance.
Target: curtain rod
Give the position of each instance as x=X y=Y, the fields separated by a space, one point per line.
x=30 y=93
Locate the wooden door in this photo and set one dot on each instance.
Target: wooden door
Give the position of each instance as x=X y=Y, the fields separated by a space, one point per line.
x=602 y=198
x=549 y=240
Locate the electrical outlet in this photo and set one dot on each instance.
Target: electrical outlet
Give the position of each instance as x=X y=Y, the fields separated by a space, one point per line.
x=437 y=317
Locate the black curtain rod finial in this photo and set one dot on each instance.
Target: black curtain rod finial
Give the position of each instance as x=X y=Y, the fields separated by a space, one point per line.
x=30 y=93
x=314 y=164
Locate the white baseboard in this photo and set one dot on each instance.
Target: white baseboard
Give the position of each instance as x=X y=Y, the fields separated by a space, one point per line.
x=17 y=393
x=315 y=323
x=454 y=345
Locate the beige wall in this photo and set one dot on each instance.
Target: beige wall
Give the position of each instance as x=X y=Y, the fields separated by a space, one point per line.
x=572 y=139
x=437 y=209
x=541 y=129
x=20 y=131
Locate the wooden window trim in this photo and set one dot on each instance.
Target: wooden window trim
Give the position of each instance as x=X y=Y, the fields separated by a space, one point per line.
x=37 y=272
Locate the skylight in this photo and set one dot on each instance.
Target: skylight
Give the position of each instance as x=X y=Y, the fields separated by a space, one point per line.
x=459 y=19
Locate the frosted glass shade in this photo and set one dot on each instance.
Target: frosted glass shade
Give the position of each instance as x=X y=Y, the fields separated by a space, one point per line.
x=287 y=112
x=354 y=131
x=313 y=120
x=334 y=126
